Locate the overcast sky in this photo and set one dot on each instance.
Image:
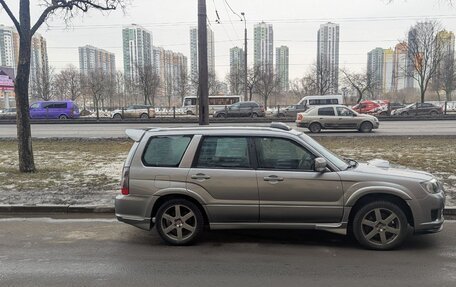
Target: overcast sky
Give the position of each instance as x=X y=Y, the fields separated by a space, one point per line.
x=364 y=25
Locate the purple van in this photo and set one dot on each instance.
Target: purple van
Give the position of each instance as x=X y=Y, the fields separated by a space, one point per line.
x=54 y=110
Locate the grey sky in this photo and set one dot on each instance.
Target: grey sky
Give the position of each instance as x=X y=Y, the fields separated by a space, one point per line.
x=365 y=24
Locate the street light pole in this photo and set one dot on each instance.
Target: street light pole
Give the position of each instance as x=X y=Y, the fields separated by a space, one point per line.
x=245 y=58
x=202 y=64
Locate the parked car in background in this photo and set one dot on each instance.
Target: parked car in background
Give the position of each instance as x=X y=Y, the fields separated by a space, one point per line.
x=395 y=106
x=183 y=180
x=290 y=111
x=134 y=112
x=9 y=113
x=312 y=101
x=419 y=109
x=241 y=109
x=372 y=107
x=336 y=117
x=54 y=110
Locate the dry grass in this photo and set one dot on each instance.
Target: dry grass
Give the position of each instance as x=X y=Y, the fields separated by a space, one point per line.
x=88 y=171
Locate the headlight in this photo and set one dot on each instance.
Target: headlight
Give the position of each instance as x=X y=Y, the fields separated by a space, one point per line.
x=431 y=186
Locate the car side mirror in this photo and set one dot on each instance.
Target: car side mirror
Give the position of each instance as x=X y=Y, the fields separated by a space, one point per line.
x=320 y=164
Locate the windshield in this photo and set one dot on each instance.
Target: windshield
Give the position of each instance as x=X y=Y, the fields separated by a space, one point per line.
x=334 y=159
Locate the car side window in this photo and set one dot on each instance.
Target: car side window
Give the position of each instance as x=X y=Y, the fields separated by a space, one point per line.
x=35 y=106
x=165 y=151
x=326 y=111
x=224 y=152
x=344 y=112
x=283 y=154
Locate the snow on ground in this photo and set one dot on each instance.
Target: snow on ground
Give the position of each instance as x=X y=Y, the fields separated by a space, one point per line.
x=88 y=171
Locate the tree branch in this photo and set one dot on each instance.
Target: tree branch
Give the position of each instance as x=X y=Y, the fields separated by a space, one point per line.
x=11 y=15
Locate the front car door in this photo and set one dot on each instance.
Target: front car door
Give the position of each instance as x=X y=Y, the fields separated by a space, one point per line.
x=234 y=110
x=346 y=118
x=290 y=190
x=223 y=172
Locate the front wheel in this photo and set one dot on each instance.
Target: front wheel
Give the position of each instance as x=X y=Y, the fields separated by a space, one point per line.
x=380 y=225
x=117 y=117
x=179 y=222
x=221 y=116
x=144 y=116
x=63 y=117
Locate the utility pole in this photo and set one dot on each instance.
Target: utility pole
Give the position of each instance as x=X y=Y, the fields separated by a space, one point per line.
x=202 y=64
x=245 y=59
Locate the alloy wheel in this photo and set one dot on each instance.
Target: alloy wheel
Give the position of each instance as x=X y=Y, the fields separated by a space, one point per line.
x=381 y=226
x=178 y=222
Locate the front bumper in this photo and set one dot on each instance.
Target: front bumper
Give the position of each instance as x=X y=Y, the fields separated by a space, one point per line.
x=428 y=213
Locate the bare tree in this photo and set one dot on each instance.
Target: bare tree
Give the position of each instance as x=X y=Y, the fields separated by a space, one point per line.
x=148 y=83
x=183 y=85
x=425 y=52
x=325 y=83
x=235 y=80
x=215 y=86
x=26 y=30
x=96 y=86
x=67 y=84
x=42 y=83
x=252 y=80
x=358 y=81
x=447 y=75
x=120 y=89
x=268 y=83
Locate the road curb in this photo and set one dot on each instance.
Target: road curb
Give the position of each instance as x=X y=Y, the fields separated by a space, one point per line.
x=40 y=208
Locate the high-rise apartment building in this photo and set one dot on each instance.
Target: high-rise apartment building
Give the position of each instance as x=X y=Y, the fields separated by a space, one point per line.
x=172 y=70
x=328 y=56
x=263 y=46
x=237 y=67
x=387 y=70
x=282 y=67
x=95 y=59
x=375 y=66
x=39 y=64
x=194 y=63
x=400 y=66
x=137 y=50
x=7 y=50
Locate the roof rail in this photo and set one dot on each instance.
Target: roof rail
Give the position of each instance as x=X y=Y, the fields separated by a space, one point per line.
x=280 y=126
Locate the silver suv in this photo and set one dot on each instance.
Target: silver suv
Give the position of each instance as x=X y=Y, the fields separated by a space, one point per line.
x=183 y=179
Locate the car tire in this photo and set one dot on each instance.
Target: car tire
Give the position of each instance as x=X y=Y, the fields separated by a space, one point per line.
x=433 y=113
x=117 y=116
x=63 y=117
x=179 y=222
x=366 y=127
x=281 y=115
x=144 y=116
x=380 y=225
x=221 y=116
x=189 y=113
x=404 y=114
x=315 y=128
x=254 y=115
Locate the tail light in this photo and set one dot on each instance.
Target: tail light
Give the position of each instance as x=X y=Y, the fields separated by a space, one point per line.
x=124 y=184
x=300 y=117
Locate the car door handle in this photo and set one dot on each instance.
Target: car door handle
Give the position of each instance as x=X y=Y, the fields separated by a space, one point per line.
x=201 y=176
x=273 y=178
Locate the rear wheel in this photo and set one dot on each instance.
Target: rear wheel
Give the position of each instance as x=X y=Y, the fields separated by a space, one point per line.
x=179 y=222
x=189 y=113
x=404 y=114
x=380 y=225
x=254 y=115
x=434 y=113
x=315 y=128
x=144 y=116
x=366 y=127
x=117 y=117
x=221 y=116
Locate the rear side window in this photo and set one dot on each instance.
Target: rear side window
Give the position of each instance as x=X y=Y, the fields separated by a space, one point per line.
x=224 y=152
x=326 y=112
x=166 y=151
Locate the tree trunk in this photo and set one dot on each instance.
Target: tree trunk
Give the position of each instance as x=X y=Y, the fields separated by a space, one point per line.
x=21 y=88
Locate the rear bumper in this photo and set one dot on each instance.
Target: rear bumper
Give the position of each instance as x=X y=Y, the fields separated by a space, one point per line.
x=135 y=210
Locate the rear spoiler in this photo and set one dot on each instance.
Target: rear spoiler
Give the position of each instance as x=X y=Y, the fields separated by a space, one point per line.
x=135 y=134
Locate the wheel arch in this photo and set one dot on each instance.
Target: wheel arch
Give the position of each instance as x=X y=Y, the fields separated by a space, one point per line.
x=398 y=198
x=164 y=197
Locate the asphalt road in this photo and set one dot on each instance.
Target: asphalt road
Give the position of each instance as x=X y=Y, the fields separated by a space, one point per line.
x=103 y=252
x=401 y=128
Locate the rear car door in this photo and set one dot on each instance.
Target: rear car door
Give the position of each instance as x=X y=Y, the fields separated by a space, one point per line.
x=290 y=191
x=234 y=110
x=327 y=117
x=223 y=172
